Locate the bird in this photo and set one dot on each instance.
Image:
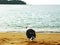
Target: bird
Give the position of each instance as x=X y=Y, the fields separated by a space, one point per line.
x=31 y=34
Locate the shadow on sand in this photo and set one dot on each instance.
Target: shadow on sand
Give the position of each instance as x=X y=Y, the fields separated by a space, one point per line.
x=32 y=43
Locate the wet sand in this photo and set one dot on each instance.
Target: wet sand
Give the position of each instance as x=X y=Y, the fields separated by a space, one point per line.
x=11 y=38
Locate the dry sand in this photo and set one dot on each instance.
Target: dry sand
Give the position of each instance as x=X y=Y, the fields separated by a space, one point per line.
x=11 y=38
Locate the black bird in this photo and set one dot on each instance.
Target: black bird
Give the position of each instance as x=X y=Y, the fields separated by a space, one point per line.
x=31 y=35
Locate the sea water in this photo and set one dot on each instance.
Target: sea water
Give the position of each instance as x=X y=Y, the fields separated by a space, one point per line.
x=37 y=16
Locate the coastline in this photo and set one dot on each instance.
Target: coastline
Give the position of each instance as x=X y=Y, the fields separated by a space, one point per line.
x=38 y=30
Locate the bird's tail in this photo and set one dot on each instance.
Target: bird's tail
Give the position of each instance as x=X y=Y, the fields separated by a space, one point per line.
x=32 y=38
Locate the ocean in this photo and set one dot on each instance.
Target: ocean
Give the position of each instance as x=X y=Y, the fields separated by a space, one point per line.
x=37 y=16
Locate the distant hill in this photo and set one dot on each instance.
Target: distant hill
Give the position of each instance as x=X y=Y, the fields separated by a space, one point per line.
x=11 y=2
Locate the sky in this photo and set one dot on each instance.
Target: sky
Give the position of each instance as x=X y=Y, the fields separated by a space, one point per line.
x=39 y=2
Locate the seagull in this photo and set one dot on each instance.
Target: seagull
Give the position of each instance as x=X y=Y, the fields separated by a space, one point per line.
x=30 y=33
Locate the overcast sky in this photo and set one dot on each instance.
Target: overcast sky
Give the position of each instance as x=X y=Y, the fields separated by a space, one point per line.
x=38 y=2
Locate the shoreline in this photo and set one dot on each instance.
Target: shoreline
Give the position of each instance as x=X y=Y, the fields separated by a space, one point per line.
x=38 y=30
x=41 y=30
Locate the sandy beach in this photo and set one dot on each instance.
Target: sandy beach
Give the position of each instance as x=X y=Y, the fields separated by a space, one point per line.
x=16 y=38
